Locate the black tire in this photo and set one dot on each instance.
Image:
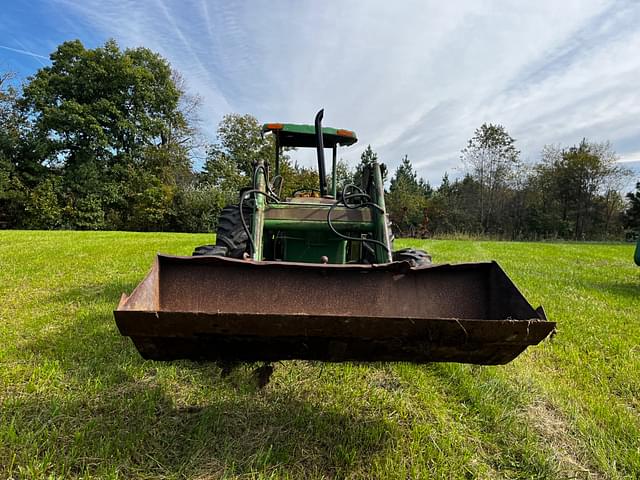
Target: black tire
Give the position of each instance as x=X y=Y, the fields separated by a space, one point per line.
x=415 y=257
x=231 y=239
x=216 y=250
x=230 y=233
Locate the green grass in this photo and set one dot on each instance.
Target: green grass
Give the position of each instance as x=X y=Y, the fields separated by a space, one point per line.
x=77 y=401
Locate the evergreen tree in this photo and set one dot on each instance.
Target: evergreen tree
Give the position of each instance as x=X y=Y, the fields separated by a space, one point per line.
x=407 y=200
x=367 y=158
x=632 y=212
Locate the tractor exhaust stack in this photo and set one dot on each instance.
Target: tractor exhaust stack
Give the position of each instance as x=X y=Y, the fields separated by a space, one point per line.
x=320 y=151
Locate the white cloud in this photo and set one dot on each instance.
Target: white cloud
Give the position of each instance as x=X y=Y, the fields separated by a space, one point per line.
x=632 y=157
x=414 y=77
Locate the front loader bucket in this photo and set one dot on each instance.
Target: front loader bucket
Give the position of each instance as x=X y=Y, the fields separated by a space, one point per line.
x=216 y=308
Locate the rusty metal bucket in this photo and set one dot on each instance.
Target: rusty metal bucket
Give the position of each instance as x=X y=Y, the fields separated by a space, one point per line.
x=216 y=308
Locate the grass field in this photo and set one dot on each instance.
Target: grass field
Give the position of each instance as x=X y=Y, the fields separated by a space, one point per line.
x=77 y=401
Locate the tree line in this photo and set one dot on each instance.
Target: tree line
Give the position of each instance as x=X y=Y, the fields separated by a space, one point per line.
x=106 y=138
x=571 y=192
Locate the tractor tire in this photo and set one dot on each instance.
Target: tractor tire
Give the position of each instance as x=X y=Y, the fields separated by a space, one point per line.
x=206 y=250
x=417 y=258
x=230 y=233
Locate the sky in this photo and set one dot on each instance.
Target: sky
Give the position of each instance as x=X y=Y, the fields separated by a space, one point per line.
x=410 y=77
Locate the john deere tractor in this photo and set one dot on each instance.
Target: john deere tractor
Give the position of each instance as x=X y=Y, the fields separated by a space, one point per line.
x=322 y=225
x=315 y=277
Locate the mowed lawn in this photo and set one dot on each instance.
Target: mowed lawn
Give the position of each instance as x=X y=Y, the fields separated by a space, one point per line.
x=77 y=401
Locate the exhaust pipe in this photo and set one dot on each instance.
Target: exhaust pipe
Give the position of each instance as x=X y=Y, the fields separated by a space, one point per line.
x=320 y=149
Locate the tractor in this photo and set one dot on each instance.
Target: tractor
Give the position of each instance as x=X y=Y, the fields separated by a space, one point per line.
x=313 y=226
x=315 y=277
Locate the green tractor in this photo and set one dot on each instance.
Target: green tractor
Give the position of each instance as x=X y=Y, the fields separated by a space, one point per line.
x=315 y=277
x=328 y=226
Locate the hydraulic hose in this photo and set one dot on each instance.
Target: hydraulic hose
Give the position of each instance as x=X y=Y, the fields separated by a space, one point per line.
x=344 y=201
x=242 y=220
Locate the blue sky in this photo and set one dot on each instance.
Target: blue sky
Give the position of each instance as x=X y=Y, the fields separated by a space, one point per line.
x=410 y=77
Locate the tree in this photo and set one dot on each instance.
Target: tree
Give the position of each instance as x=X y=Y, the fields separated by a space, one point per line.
x=198 y=206
x=103 y=103
x=10 y=186
x=576 y=182
x=240 y=139
x=43 y=210
x=184 y=130
x=491 y=157
x=632 y=212
x=298 y=178
x=239 y=145
x=104 y=116
x=366 y=159
x=344 y=175
x=230 y=160
x=20 y=167
x=10 y=120
x=451 y=206
x=407 y=200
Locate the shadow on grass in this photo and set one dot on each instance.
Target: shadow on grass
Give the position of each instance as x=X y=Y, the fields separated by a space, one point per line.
x=111 y=411
x=629 y=290
x=143 y=434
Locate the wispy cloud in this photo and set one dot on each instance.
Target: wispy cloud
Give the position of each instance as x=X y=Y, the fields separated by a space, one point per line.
x=633 y=157
x=415 y=77
x=24 y=52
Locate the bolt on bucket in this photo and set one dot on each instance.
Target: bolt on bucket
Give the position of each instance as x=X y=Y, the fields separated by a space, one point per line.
x=222 y=309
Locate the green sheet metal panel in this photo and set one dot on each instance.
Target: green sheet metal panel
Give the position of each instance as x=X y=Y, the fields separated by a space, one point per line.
x=310 y=248
x=313 y=216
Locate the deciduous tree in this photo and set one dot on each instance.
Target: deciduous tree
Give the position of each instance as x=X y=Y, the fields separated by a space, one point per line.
x=105 y=116
x=490 y=157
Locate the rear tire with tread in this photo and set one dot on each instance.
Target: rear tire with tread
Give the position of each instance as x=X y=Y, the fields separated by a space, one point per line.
x=210 y=250
x=230 y=233
x=414 y=256
x=231 y=239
